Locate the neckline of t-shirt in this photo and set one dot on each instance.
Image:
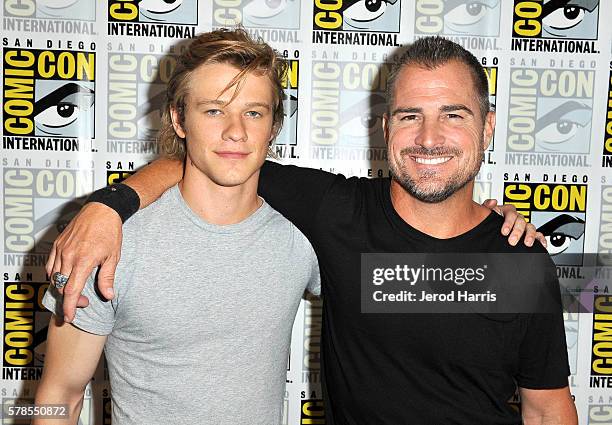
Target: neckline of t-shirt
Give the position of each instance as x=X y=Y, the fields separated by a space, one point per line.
x=253 y=220
x=407 y=230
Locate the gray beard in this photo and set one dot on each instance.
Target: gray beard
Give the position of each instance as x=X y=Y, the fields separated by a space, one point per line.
x=436 y=196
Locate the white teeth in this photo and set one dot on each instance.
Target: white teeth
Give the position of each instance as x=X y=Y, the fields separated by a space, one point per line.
x=432 y=161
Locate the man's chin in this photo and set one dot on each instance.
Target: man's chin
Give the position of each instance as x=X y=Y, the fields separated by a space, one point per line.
x=429 y=193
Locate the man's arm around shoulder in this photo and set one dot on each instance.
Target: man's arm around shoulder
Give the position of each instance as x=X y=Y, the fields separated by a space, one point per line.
x=548 y=407
x=70 y=362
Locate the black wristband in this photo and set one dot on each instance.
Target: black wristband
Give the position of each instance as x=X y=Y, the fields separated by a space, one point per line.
x=120 y=197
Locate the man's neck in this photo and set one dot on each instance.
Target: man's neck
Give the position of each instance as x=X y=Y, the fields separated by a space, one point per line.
x=218 y=204
x=452 y=217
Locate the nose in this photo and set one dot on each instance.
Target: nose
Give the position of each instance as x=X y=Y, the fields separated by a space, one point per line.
x=430 y=134
x=235 y=130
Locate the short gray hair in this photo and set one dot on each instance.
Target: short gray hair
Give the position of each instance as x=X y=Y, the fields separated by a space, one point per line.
x=432 y=52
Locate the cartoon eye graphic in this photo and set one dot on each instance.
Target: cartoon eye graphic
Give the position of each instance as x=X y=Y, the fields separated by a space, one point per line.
x=363 y=119
x=562 y=123
x=264 y=8
x=62 y=107
x=565 y=17
x=363 y=125
x=571 y=334
x=561 y=231
x=467 y=13
x=56 y=4
x=364 y=11
x=158 y=7
x=466 y=16
x=290 y=105
x=149 y=116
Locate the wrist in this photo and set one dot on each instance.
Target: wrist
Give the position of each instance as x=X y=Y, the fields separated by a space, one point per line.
x=120 y=197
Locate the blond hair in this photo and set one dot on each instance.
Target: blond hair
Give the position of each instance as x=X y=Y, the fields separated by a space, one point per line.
x=233 y=47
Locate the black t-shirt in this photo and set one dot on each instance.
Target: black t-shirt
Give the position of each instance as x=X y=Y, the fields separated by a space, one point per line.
x=408 y=368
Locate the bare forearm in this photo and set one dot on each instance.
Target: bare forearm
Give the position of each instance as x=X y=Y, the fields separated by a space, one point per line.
x=49 y=393
x=154 y=179
x=548 y=407
x=551 y=418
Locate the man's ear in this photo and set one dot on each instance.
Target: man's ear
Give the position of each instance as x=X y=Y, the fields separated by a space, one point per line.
x=489 y=128
x=385 y=127
x=174 y=115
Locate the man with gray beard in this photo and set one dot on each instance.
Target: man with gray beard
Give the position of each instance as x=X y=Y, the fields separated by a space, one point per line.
x=402 y=368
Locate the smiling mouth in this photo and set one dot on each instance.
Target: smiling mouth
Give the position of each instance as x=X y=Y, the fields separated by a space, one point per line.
x=431 y=161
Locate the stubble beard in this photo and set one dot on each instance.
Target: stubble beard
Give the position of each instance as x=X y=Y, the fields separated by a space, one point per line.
x=422 y=190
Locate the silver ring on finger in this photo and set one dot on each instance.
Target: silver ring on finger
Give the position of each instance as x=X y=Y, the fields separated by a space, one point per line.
x=59 y=280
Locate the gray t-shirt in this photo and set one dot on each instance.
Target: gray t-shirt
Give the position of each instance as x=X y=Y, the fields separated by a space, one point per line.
x=200 y=327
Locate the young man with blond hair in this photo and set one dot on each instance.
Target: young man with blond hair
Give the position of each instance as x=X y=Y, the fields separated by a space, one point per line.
x=204 y=276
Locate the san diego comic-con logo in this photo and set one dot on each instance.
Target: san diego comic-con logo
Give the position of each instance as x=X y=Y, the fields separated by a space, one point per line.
x=136 y=98
x=564 y=26
x=49 y=99
x=606 y=160
x=153 y=18
x=357 y=22
x=604 y=251
x=473 y=24
x=557 y=207
x=311 y=365
x=312 y=410
x=348 y=102
x=50 y=16
x=25 y=327
x=491 y=71
x=571 y=321
x=286 y=141
x=117 y=171
x=38 y=203
x=601 y=352
x=273 y=21
x=549 y=115
x=601 y=412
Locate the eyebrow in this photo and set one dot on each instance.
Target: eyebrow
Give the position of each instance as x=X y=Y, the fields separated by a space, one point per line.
x=223 y=103
x=444 y=108
x=456 y=107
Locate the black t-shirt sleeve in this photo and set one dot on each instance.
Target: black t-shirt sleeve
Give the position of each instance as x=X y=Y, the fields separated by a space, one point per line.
x=296 y=192
x=543 y=352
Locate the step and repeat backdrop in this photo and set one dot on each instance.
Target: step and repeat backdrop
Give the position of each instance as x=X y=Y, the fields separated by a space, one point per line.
x=83 y=89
